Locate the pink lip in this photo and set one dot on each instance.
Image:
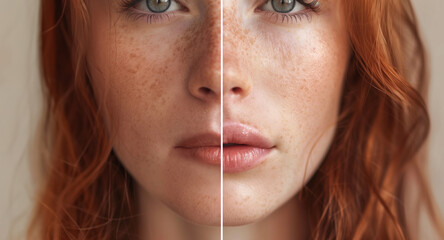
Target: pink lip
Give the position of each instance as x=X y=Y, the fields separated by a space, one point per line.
x=249 y=147
x=203 y=147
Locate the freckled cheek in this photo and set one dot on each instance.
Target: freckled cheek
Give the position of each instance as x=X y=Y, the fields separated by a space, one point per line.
x=303 y=73
x=134 y=74
x=145 y=69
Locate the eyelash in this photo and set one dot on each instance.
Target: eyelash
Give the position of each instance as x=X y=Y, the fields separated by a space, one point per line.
x=135 y=14
x=293 y=17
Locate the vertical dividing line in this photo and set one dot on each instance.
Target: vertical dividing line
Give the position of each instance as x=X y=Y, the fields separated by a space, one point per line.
x=221 y=120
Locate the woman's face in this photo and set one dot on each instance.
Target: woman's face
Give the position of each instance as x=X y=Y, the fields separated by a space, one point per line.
x=157 y=78
x=157 y=75
x=282 y=75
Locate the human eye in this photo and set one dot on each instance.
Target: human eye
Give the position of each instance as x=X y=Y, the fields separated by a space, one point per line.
x=288 y=11
x=153 y=11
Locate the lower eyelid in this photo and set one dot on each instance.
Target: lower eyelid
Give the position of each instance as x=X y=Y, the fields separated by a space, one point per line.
x=151 y=18
x=284 y=18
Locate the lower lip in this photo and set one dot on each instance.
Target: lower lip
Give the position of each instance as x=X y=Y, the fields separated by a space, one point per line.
x=242 y=158
x=208 y=154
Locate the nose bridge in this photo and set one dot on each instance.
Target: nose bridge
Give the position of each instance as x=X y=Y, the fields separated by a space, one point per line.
x=236 y=44
x=204 y=80
x=231 y=23
x=211 y=37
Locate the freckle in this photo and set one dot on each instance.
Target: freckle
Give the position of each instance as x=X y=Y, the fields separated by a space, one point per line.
x=144 y=83
x=154 y=84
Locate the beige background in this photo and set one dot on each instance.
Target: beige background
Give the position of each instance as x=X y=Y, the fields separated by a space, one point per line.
x=20 y=104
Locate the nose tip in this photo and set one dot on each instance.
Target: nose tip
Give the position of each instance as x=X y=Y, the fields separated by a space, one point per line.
x=235 y=83
x=205 y=81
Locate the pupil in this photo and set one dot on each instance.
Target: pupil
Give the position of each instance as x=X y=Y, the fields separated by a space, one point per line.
x=158 y=6
x=283 y=6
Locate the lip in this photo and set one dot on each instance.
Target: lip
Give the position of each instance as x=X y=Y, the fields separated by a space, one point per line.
x=249 y=147
x=203 y=147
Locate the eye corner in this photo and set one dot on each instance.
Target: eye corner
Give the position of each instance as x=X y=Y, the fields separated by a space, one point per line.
x=311 y=4
x=126 y=5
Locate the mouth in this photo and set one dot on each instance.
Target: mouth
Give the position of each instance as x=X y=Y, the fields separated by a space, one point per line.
x=244 y=147
x=203 y=147
x=232 y=145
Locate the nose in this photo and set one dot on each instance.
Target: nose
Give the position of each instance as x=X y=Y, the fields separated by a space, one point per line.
x=204 y=80
x=237 y=77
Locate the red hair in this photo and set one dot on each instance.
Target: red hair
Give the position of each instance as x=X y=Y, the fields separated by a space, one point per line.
x=359 y=191
x=87 y=194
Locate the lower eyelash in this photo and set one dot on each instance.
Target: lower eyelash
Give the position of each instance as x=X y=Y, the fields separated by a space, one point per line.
x=288 y=18
x=132 y=14
x=296 y=17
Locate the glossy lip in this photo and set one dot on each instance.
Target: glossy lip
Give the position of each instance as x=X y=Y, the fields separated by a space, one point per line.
x=203 y=147
x=249 y=147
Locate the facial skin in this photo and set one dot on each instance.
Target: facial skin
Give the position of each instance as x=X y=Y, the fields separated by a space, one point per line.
x=284 y=79
x=158 y=83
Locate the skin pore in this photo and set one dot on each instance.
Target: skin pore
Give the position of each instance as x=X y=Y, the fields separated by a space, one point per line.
x=157 y=81
x=282 y=75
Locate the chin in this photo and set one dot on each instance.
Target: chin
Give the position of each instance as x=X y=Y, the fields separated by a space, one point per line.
x=234 y=219
x=238 y=216
x=204 y=211
x=242 y=209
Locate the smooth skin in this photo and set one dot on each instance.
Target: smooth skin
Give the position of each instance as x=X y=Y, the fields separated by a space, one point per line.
x=284 y=78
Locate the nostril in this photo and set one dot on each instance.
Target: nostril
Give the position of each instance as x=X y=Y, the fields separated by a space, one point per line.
x=236 y=90
x=205 y=90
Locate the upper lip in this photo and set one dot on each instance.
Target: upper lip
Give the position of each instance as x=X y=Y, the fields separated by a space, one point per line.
x=242 y=134
x=200 y=140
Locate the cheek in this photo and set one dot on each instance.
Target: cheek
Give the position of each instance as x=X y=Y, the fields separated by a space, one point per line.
x=136 y=68
x=141 y=73
x=303 y=77
x=133 y=69
x=307 y=69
